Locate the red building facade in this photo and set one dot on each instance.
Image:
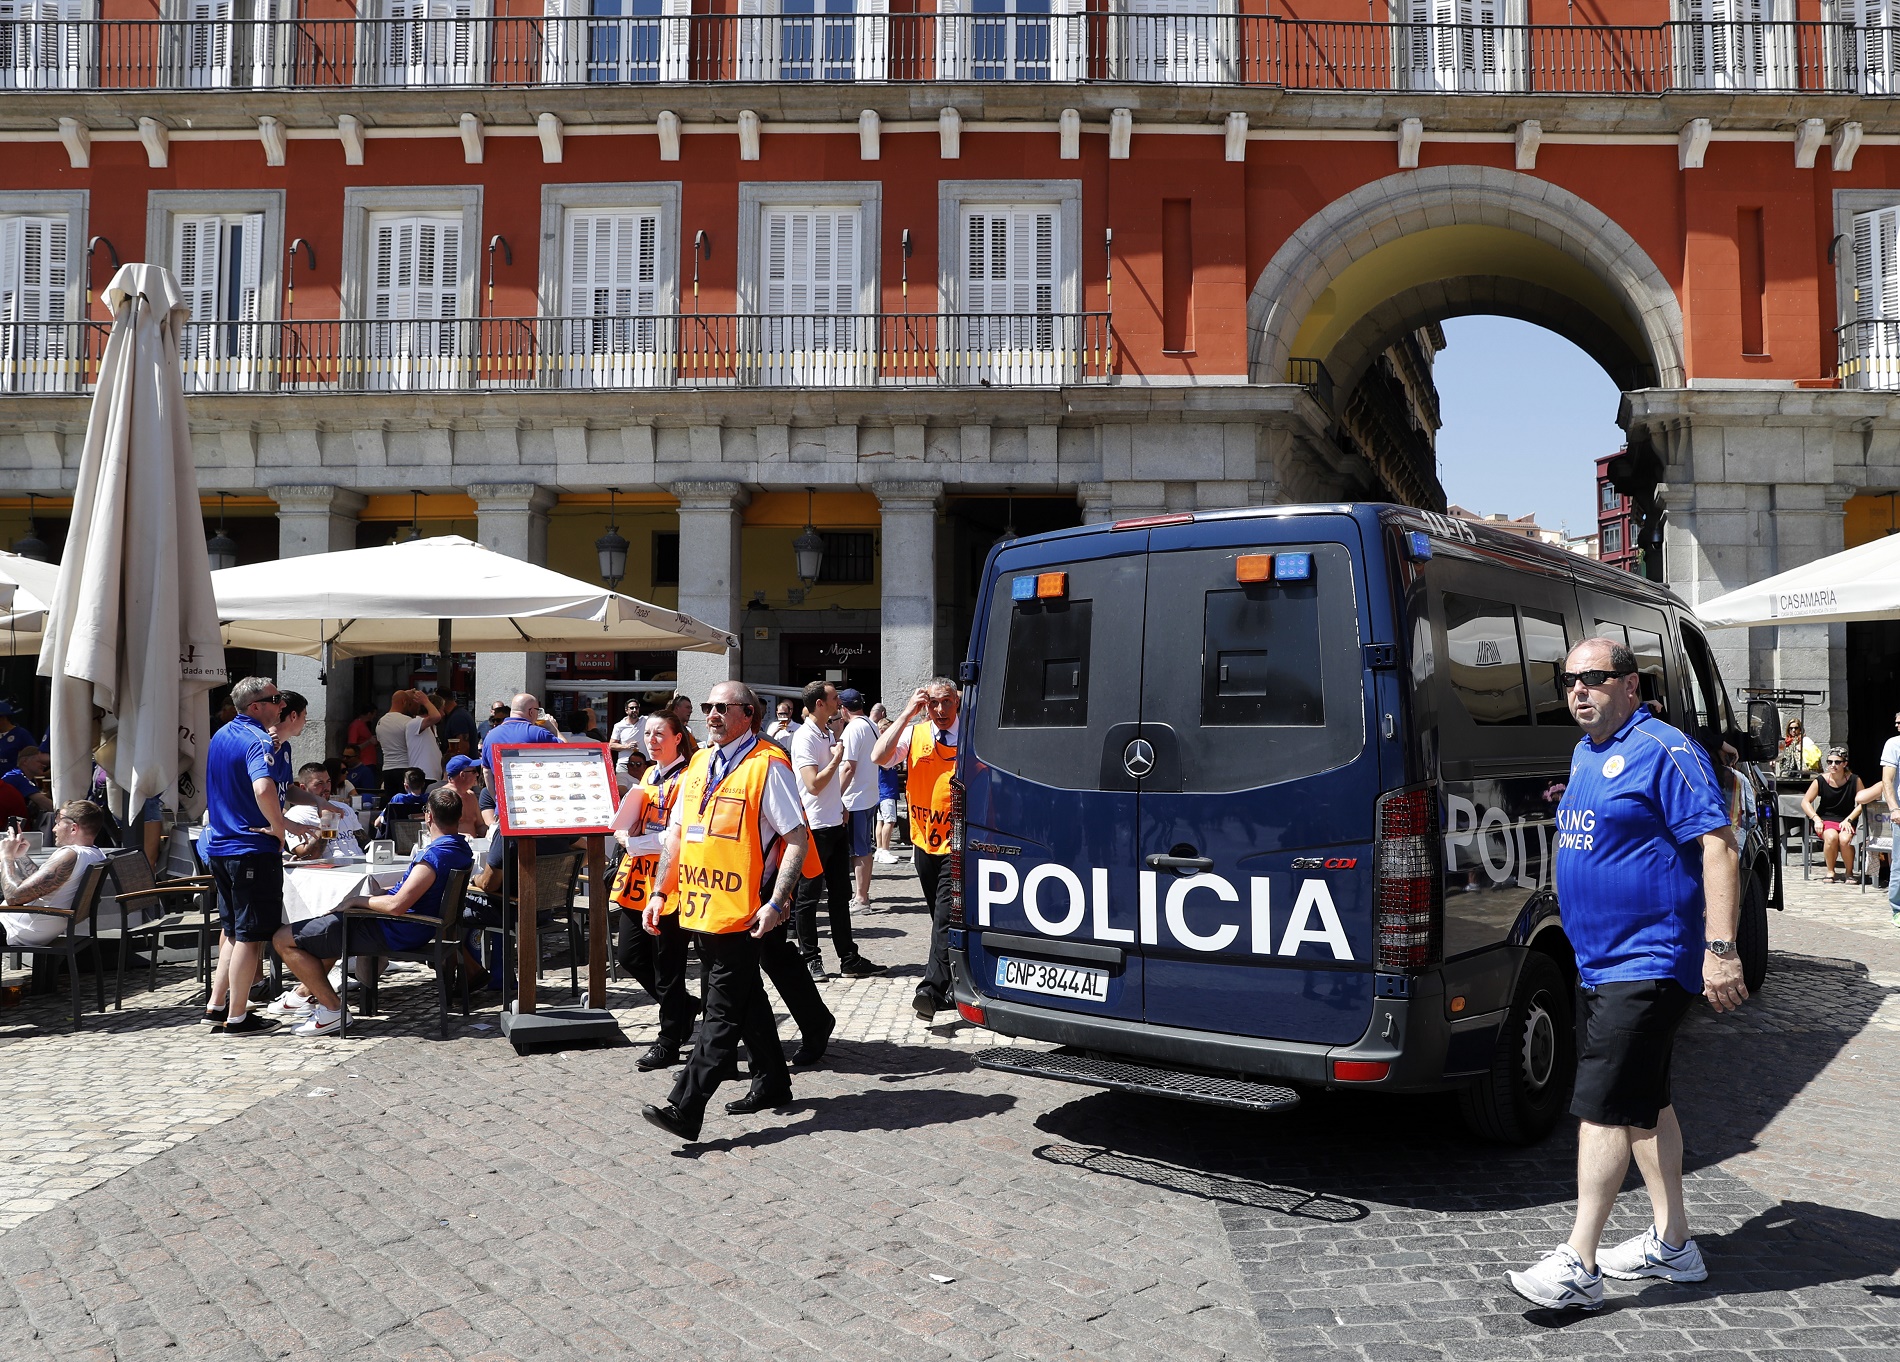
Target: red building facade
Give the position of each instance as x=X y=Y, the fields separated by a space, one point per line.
x=1617 y=523
x=995 y=264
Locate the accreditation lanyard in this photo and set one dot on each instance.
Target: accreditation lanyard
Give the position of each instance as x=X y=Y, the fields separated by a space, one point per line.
x=666 y=787
x=706 y=796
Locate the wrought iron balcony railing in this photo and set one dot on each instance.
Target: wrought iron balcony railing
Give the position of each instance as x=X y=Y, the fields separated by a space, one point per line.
x=1101 y=45
x=680 y=350
x=1870 y=354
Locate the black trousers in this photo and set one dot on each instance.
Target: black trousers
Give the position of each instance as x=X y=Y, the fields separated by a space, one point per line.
x=933 y=873
x=832 y=889
x=736 y=1013
x=785 y=967
x=658 y=964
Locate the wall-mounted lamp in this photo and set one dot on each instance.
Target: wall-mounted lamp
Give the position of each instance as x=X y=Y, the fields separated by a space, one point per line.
x=702 y=250
x=508 y=258
x=221 y=549
x=111 y=252
x=809 y=548
x=33 y=546
x=611 y=548
x=415 y=520
x=290 y=274
x=904 y=267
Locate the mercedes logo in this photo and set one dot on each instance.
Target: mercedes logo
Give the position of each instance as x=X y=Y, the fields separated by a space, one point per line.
x=1138 y=758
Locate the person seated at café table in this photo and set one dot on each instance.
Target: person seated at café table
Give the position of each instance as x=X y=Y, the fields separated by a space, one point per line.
x=316 y=944
x=313 y=777
x=48 y=888
x=1832 y=804
x=408 y=804
x=464 y=776
x=29 y=778
x=358 y=775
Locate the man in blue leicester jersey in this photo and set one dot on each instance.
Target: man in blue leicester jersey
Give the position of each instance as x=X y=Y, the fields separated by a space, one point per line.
x=1648 y=882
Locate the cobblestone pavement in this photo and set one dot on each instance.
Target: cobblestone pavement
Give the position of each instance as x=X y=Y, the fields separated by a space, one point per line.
x=173 y=1195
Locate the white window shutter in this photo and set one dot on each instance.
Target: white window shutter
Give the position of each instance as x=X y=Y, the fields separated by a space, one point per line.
x=676 y=35
x=1877 y=296
x=952 y=21
x=613 y=264
x=12 y=262
x=1068 y=40
x=1011 y=260
x=778 y=291
x=646 y=265
x=196 y=243
x=564 y=54
x=873 y=51
x=248 y=304
x=758 y=40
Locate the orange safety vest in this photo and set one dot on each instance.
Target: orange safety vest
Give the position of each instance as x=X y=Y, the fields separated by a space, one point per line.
x=719 y=880
x=928 y=788
x=633 y=885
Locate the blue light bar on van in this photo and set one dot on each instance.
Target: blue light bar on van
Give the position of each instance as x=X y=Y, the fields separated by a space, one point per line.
x=1418 y=546
x=1023 y=588
x=1292 y=567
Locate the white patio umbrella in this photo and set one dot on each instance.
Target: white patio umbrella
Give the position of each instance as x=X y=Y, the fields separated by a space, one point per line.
x=1859 y=584
x=133 y=630
x=399 y=598
x=28 y=586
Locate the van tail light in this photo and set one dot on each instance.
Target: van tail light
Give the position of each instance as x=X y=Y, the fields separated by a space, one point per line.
x=1360 y=1070
x=972 y=1014
x=956 y=852
x=1408 y=891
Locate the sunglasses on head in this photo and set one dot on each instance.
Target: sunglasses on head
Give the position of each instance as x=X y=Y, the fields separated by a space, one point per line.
x=1595 y=676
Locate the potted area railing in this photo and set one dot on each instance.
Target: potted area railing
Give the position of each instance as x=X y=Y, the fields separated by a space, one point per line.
x=1095 y=45
x=692 y=350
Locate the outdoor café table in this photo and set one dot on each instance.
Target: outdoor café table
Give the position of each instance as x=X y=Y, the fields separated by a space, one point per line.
x=313 y=888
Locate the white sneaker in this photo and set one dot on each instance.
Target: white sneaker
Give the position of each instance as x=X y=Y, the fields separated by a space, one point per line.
x=292 y=1004
x=883 y=857
x=324 y=1020
x=1648 y=1256
x=1558 y=1282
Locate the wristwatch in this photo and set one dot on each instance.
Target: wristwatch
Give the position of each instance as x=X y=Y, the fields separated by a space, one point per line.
x=1721 y=950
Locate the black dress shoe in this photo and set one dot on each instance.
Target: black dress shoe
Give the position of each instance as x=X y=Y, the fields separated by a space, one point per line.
x=659 y=1055
x=812 y=1048
x=670 y=1119
x=760 y=1099
x=926 y=1005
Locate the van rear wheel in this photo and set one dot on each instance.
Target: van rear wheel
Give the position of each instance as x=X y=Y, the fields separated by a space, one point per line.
x=1533 y=1064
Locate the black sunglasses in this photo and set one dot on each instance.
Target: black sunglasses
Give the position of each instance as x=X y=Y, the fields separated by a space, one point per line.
x=1595 y=676
x=724 y=707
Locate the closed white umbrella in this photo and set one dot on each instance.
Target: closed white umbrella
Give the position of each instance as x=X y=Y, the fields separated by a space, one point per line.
x=1859 y=584
x=28 y=586
x=133 y=629
x=393 y=599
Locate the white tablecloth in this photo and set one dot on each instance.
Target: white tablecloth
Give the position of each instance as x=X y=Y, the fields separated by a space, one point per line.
x=319 y=888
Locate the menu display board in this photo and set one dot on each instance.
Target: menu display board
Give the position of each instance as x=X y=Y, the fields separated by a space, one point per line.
x=554 y=789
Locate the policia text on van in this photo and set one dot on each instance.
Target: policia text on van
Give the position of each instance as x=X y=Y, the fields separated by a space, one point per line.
x=1258 y=800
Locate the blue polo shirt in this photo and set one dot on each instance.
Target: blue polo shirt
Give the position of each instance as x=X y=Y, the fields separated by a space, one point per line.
x=442 y=855
x=240 y=753
x=1629 y=866
x=510 y=730
x=22 y=782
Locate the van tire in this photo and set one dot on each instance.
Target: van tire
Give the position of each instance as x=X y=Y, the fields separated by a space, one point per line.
x=1534 y=1064
x=1751 y=936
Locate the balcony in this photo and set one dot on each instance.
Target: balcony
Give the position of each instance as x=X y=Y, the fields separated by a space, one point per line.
x=671 y=351
x=1870 y=355
x=1098 y=46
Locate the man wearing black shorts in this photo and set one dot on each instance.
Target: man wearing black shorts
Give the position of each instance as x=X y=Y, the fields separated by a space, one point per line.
x=243 y=843
x=1648 y=882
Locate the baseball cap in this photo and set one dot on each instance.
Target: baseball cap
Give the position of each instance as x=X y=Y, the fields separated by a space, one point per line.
x=851 y=698
x=458 y=764
x=7 y=709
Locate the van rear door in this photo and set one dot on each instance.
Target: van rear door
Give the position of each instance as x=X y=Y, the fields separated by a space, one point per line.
x=1255 y=705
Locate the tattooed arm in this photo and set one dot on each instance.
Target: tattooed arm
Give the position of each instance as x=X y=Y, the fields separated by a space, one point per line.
x=24 y=884
x=797 y=842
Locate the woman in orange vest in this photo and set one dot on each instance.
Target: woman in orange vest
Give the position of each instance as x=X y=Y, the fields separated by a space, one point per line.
x=734 y=849
x=931 y=744
x=656 y=957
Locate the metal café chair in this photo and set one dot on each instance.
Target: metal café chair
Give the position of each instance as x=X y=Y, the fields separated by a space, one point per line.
x=441 y=951
x=1788 y=809
x=1876 y=840
x=135 y=887
x=69 y=942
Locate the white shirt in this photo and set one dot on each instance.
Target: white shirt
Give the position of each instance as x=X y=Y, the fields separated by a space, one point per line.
x=860 y=736
x=393 y=738
x=629 y=730
x=37 y=929
x=311 y=816
x=640 y=844
x=1890 y=754
x=423 y=753
x=780 y=810
x=811 y=749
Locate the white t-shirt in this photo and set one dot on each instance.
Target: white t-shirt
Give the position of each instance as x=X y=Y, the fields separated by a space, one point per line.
x=310 y=816
x=36 y=929
x=860 y=736
x=811 y=747
x=629 y=730
x=1890 y=754
x=393 y=738
x=780 y=810
x=423 y=752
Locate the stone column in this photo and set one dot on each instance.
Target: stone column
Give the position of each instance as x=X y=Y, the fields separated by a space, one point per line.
x=908 y=606
x=709 y=577
x=1097 y=500
x=317 y=519
x=511 y=518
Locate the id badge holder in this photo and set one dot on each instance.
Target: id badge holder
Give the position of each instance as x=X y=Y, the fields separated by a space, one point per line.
x=695 y=832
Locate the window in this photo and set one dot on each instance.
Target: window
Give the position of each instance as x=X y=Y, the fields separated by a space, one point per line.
x=1260 y=656
x=1487 y=674
x=219 y=44
x=1612 y=500
x=39 y=350
x=1733 y=45
x=666 y=558
x=616 y=41
x=414 y=287
x=1178 y=42
x=839 y=40
x=612 y=298
x=428 y=42
x=1470 y=45
x=1009 y=277
x=850 y=558
x=1045 y=674
x=1647 y=646
x=1546 y=645
x=45 y=44
x=1872 y=48
x=1010 y=40
x=811 y=273
x=1875 y=315
x=218 y=261
x=1612 y=539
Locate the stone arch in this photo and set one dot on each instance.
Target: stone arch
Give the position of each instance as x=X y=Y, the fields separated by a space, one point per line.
x=1424 y=245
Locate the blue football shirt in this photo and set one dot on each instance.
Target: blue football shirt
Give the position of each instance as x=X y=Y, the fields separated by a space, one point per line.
x=1629 y=865
x=442 y=855
x=240 y=752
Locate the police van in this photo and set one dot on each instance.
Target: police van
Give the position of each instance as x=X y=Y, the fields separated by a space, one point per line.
x=1256 y=801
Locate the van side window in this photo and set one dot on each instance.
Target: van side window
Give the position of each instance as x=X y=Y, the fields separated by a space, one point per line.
x=1546 y=644
x=1648 y=648
x=1260 y=658
x=1046 y=672
x=1487 y=675
x=1708 y=706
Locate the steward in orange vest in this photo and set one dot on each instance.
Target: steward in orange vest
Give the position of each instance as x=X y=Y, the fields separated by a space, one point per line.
x=927 y=731
x=656 y=958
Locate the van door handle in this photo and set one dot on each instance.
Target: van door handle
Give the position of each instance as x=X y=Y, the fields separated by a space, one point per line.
x=1162 y=861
